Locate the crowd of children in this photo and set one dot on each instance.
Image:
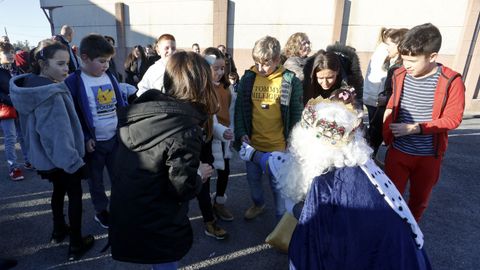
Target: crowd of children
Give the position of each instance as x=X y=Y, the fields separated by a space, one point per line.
x=162 y=143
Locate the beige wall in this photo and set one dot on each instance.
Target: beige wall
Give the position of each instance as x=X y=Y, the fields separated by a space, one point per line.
x=250 y=20
x=189 y=21
x=470 y=49
x=366 y=17
x=84 y=17
x=365 y=23
x=153 y=18
x=194 y=21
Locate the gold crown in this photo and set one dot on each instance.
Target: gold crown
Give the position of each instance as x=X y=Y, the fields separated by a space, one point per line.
x=344 y=96
x=326 y=129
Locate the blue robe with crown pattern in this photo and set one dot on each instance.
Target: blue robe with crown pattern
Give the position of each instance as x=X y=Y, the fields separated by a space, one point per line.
x=347 y=225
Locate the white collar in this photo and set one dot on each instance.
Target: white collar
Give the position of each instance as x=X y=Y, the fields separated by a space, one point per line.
x=392 y=196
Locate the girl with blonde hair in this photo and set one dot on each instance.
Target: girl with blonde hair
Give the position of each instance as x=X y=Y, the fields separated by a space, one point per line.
x=296 y=52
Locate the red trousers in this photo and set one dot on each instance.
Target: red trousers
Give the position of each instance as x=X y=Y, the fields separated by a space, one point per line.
x=422 y=171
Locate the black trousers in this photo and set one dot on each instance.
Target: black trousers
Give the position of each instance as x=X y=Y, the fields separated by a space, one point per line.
x=70 y=184
x=375 y=136
x=205 y=202
x=222 y=179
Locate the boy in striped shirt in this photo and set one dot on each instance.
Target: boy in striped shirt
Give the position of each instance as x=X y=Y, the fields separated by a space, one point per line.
x=428 y=100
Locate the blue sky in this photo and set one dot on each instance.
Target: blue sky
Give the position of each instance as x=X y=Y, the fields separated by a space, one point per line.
x=24 y=20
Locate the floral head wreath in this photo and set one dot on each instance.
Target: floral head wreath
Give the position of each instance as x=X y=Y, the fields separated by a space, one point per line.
x=328 y=129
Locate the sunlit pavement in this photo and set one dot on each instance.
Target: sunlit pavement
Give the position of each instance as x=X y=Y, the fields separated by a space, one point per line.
x=451 y=223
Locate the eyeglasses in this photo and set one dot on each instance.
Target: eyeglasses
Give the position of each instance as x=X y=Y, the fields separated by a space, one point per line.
x=267 y=63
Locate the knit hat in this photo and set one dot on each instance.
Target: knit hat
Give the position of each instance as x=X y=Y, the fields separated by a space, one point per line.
x=22 y=59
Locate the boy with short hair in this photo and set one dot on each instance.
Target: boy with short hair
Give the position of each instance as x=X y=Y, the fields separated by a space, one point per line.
x=153 y=78
x=268 y=105
x=428 y=100
x=96 y=95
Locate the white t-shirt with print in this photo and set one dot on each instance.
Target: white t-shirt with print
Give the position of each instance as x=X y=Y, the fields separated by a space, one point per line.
x=102 y=102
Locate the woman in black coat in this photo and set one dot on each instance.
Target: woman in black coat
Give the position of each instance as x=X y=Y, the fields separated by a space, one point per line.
x=160 y=136
x=136 y=65
x=329 y=70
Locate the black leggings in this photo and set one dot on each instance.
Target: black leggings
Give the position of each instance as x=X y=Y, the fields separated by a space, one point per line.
x=375 y=130
x=70 y=184
x=222 y=179
x=205 y=202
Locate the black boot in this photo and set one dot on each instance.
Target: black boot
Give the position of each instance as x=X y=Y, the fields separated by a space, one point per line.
x=78 y=248
x=7 y=263
x=59 y=233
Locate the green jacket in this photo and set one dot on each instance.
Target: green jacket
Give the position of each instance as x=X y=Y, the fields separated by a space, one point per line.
x=291 y=104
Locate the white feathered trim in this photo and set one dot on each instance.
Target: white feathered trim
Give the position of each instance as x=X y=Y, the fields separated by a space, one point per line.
x=312 y=156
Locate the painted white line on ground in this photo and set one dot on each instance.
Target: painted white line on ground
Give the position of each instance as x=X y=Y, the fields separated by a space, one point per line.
x=5 y=218
x=238 y=175
x=50 y=192
x=25 y=251
x=466 y=134
x=199 y=265
x=227 y=257
x=195 y=218
x=37 y=202
x=26 y=195
x=80 y=261
x=231 y=176
x=28 y=203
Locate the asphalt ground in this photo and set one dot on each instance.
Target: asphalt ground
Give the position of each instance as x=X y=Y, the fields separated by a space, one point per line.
x=451 y=224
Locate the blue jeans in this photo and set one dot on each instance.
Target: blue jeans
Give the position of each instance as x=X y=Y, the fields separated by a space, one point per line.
x=165 y=266
x=12 y=132
x=254 y=178
x=102 y=157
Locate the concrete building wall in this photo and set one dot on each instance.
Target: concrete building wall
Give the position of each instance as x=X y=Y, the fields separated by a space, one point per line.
x=84 y=16
x=365 y=22
x=250 y=20
x=239 y=23
x=190 y=21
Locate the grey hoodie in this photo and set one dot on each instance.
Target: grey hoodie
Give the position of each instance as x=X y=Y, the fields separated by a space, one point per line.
x=50 y=126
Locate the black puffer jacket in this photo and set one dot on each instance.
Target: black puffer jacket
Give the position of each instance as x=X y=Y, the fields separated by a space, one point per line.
x=155 y=177
x=5 y=77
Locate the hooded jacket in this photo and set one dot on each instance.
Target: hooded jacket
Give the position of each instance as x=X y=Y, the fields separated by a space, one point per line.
x=291 y=105
x=374 y=82
x=220 y=146
x=77 y=89
x=448 y=107
x=160 y=140
x=133 y=70
x=50 y=126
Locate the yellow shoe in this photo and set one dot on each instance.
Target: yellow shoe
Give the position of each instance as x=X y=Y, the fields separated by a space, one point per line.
x=222 y=212
x=254 y=211
x=212 y=230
